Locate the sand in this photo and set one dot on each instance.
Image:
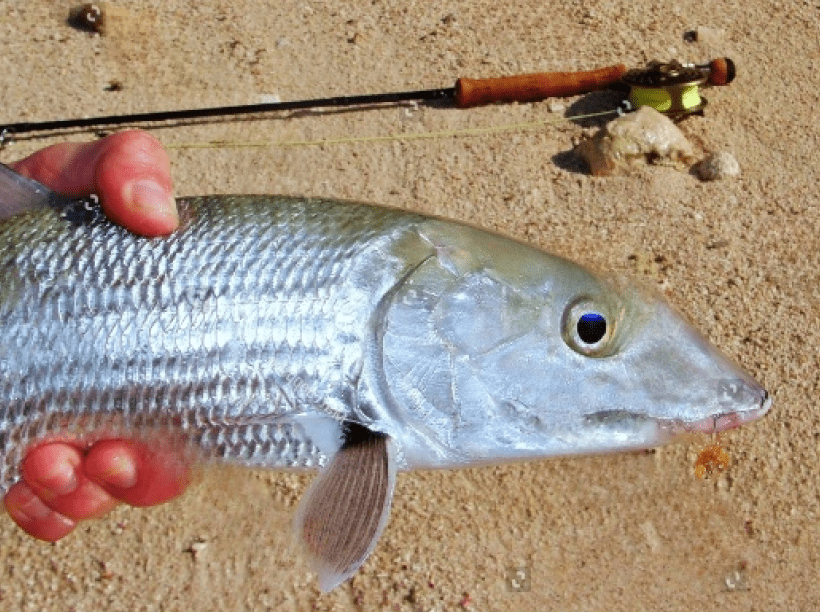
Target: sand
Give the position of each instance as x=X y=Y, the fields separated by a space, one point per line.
x=739 y=257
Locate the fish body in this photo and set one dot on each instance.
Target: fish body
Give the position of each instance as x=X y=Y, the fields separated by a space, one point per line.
x=249 y=329
x=306 y=333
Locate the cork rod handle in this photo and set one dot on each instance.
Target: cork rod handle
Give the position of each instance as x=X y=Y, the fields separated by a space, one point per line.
x=532 y=87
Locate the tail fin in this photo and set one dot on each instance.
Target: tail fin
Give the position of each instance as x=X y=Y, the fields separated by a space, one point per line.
x=19 y=194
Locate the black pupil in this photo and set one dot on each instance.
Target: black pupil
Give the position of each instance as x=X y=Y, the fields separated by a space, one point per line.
x=591 y=327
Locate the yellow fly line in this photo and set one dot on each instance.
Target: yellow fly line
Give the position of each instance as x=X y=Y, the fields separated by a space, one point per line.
x=664 y=99
x=479 y=131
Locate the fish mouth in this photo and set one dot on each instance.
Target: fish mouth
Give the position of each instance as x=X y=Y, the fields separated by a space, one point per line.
x=727 y=420
x=666 y=429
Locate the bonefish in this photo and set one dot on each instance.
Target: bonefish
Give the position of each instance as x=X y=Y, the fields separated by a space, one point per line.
x=316 y=334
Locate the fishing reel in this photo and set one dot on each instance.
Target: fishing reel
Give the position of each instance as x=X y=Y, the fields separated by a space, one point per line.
x=672 y=88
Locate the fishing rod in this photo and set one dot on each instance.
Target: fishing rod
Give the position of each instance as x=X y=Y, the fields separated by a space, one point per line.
x=466 y=93
x=671 y=88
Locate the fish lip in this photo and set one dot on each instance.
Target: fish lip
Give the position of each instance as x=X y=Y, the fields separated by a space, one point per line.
x=727 y=420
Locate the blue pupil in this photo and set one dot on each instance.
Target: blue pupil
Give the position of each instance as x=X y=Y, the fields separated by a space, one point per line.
x=591 y=327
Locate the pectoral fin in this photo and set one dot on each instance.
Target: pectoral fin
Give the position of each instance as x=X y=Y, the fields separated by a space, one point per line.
x=345 y=509
x=20 y=194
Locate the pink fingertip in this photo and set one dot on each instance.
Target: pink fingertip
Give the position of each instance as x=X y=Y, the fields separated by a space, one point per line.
x=112 y=465
x=34 y=517
x=51 y=469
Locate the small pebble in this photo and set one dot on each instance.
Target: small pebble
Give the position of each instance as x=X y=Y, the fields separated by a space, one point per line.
x=709 y=36
x=556 y=106
x=89 y=17
x=737 y=580
x=197 y=548
x=716 y=166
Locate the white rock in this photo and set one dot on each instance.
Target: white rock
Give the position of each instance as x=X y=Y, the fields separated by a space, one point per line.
x=640 y=137
x=719 y=165
x=710 y=36
x=556 y=106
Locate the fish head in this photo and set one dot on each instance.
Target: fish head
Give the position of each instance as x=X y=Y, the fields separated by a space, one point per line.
x=494 y=350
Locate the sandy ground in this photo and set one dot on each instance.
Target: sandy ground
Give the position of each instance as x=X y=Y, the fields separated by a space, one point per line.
x=739 y=257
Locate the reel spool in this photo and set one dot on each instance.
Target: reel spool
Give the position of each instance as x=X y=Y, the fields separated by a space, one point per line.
x=672 y=88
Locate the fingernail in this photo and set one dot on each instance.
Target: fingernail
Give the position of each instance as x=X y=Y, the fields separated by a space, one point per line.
x=149 y=196
x=60 y=480
x=33 y=509
x=122 y=473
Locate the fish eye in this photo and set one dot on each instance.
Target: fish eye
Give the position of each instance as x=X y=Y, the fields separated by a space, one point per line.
x=591 y=327
x=587 y=329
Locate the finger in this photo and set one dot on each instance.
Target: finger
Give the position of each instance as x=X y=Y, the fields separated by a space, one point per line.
x=134 y=178
x=129 y=170
x=53 y=473
x=136 y=473
x=67 y=167
x=33 y=516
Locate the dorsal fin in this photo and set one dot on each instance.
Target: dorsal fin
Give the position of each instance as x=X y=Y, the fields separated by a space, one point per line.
x=345 y=510
x=20 y=194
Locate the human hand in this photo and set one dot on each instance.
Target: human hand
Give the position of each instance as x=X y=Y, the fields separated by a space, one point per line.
x=129 y=170
x=65 y=482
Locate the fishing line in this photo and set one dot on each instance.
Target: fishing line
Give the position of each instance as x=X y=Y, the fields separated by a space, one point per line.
x=479 y=131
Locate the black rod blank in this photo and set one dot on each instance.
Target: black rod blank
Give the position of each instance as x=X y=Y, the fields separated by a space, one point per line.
x=224 y=111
